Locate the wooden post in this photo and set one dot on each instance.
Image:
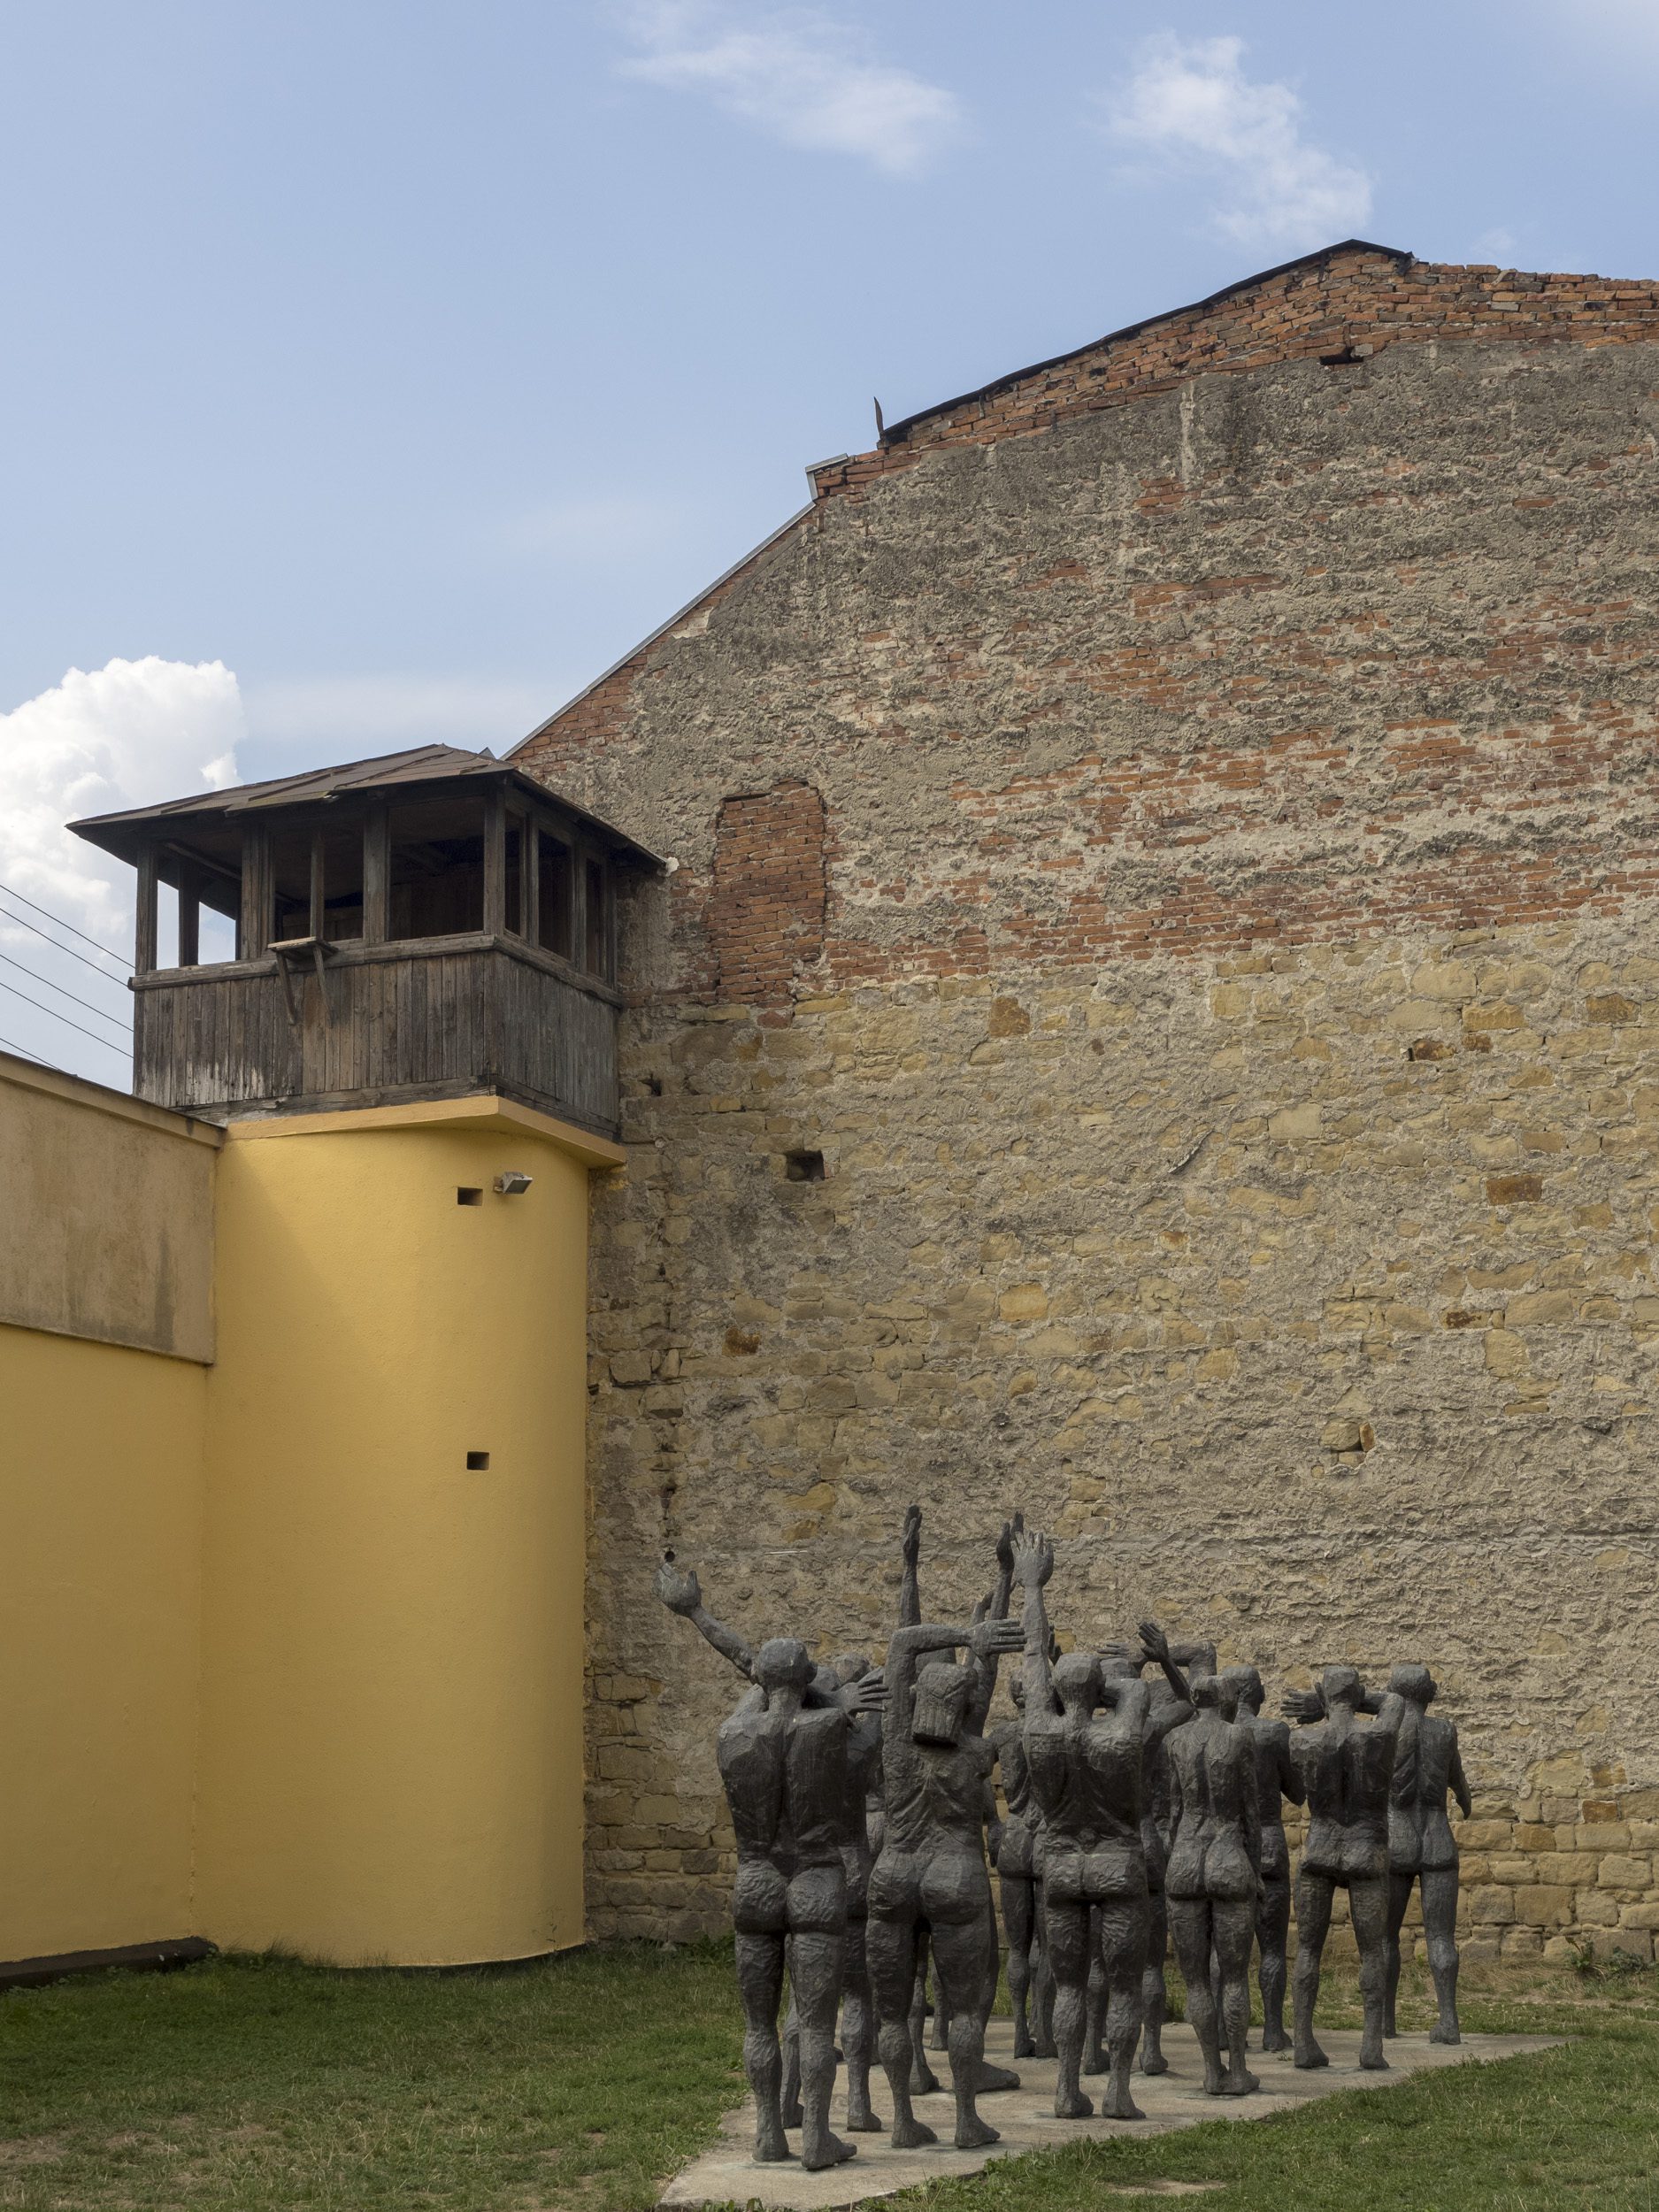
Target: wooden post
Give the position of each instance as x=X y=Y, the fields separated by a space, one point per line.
x=190 y=915
x=254 y=936
x=377 y=878
x=579 y=903
x=496 y=863
x=530 y=878
x=144 y=925
x=319 y=913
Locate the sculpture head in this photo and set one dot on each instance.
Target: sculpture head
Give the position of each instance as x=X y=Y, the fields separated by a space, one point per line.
x=1340 y=1686
x=1197 y=1658
x=942 y=1702
x=1416 y=1685
x=1252 y=1695
x=1118 y=1666
x=1016 y=1689
x=782 y=1662
x=1214 y=1693
x=1235 y=1684
x=850 y=1666
x=825 y=1682
x=1078 y=1681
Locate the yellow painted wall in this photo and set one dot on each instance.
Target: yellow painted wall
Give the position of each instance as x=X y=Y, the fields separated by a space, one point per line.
x=391 y=1761
x=101 y=1500
x=107 y=1214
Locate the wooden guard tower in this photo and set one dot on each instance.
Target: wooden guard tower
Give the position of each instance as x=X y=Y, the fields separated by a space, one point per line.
x=427 y=925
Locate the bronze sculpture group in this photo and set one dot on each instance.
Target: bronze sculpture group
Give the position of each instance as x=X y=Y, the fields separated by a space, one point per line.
x=1135 y=1812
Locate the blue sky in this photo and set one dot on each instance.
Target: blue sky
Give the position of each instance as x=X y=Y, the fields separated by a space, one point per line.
x=377 y=373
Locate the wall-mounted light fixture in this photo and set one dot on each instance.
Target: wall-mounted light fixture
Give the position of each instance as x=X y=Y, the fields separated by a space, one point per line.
x=513 y=1182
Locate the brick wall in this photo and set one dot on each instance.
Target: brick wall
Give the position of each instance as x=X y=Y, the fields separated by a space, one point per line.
x=1233 y=1038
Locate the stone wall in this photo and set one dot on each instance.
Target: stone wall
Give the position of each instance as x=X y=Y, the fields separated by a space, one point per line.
x=1225 y=993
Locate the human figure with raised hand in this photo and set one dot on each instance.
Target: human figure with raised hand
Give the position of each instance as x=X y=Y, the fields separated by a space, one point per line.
x=836 y=1685
x=1347 y=1770
x=1086 y=1774
x=1168 y=1708
x=931 y=1876
x=783 y=1761
x=1421 y=1848
x=1277 y=1779
x=1210 y=1879
x=1016 y=1856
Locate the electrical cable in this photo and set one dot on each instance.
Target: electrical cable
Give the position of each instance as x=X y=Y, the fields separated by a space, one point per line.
x=18 y=922
x=36 y=908
x=35 y=976
x=23 y=1052
x=125 y=1050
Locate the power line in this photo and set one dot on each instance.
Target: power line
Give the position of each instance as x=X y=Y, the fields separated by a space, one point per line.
x=125 y=1050
x=21 y=924
x=23 y=1052
x=35 y=976
x=35 y=907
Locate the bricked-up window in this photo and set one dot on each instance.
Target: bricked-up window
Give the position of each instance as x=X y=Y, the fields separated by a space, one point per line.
x=766 y=910
x=555 y=884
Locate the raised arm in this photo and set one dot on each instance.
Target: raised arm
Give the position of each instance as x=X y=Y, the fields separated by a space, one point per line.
x=1154 y=1646
x=995 y=1610
x=981 y=1638
x=1032 y=1564
x=909 y=1587
x=681 y=1595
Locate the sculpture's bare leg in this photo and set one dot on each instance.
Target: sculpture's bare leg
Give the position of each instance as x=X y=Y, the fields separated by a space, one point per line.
x=991 y=2078
x=1123 y=1939
x=1399 y=1900
x=789 y=2096
x=1439 y=1919
x=924 y=2081
x=817 y=1960
x=1314 y=1893
x=1094 y=2007
x=959 y=1959
x=939 y=2038
x=858 y=2032
x=1367 y=1903
x=1155 y=1996
x=1272 y=1934
x=891 y=1951
x=1041 y=1979
x=1019 y=1919
x=760 y=1985
x=1232 y=1930
x=1066 y=1930
x=1189 y=1924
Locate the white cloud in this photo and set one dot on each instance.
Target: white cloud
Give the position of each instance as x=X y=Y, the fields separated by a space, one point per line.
x=797 y=75
x=127 y=734
x=1191 y=107
x=130 y=733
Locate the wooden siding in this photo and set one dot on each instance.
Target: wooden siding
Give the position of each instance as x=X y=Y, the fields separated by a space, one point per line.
x=448 y=1013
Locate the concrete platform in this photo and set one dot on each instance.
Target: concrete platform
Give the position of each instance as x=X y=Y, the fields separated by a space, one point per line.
x=729 y=2174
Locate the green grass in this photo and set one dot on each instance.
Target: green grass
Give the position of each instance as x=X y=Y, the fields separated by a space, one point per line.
x=260 y=2085
x=250 y=2085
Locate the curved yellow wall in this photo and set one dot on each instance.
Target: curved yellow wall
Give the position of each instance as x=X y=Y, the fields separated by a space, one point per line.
x=391 y=1759
x=100 y=1573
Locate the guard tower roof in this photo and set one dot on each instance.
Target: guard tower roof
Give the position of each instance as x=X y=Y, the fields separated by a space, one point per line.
x=125 y=835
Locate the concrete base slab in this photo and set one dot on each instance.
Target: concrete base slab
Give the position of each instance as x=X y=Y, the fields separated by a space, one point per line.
x=729 y=2174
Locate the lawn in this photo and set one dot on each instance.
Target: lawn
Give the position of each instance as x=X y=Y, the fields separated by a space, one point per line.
x=250 y=2085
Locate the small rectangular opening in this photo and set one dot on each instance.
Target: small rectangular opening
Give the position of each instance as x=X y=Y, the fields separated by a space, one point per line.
x=803 y=1167
x=469 y=1194
x=477 y=1463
